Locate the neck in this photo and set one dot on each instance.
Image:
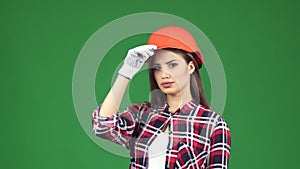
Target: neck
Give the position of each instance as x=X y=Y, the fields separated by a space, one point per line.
x=175 y=101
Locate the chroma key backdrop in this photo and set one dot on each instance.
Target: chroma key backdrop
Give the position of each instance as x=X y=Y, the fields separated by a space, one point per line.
x=60 y=58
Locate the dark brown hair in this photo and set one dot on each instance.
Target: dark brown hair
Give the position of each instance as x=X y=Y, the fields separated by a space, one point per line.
x=158 y=98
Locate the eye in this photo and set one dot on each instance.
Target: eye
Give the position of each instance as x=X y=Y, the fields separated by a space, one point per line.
x=172 y=65
x=156 y=67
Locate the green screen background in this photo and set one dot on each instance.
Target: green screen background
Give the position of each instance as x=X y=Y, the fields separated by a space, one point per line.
x=257 y=42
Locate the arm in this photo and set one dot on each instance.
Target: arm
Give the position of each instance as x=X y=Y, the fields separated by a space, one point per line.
x=133 y=62
x=113 y=99
x=107 y=122
x=220 y=146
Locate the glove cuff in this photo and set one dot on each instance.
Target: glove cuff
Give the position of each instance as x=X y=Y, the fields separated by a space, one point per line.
x=124 y=76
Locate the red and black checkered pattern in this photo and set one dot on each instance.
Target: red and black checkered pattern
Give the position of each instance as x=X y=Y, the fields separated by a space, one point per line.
x=198 y=138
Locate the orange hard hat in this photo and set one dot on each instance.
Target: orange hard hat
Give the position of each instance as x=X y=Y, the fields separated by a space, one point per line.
x=176 y=37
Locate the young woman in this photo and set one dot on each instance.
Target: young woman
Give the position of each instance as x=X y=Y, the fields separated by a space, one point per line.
x=177 y=129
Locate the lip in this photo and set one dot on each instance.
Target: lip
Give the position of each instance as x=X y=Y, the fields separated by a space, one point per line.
x=167 y=84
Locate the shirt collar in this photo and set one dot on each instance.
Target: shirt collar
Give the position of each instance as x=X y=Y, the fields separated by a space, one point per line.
x=186 y=108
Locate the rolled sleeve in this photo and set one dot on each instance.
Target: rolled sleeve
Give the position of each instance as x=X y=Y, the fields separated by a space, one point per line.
x=109 y=121
x=118 y=127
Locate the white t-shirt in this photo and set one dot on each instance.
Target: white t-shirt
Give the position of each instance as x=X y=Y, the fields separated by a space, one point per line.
x=157 y=151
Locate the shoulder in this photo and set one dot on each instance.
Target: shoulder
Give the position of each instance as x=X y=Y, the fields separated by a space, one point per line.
x=145 y=104
x=207 y=112
x=142 y=104
x=216 y=122
x=139 y=106
x=215 y=117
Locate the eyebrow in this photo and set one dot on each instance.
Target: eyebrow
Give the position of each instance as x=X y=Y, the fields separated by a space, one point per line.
x=166 y=62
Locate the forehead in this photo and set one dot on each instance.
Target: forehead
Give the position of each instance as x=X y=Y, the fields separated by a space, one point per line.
x=163 y=56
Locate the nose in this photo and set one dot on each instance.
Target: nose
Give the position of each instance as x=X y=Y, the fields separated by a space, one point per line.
x=164 y=74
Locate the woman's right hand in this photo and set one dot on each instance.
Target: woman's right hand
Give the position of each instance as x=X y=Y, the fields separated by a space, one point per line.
x=135 y=59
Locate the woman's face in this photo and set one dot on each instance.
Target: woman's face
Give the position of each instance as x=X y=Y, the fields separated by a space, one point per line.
x=171 y=72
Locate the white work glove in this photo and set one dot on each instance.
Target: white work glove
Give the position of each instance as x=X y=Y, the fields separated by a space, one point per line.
x=135 y=59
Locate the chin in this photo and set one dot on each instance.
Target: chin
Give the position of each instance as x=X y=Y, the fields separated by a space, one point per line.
x=169 y=91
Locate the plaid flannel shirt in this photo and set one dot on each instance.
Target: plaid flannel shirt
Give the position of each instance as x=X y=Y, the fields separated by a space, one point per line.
x=198 y=138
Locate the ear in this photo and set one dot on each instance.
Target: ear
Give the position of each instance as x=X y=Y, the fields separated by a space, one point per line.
x=191 y=67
